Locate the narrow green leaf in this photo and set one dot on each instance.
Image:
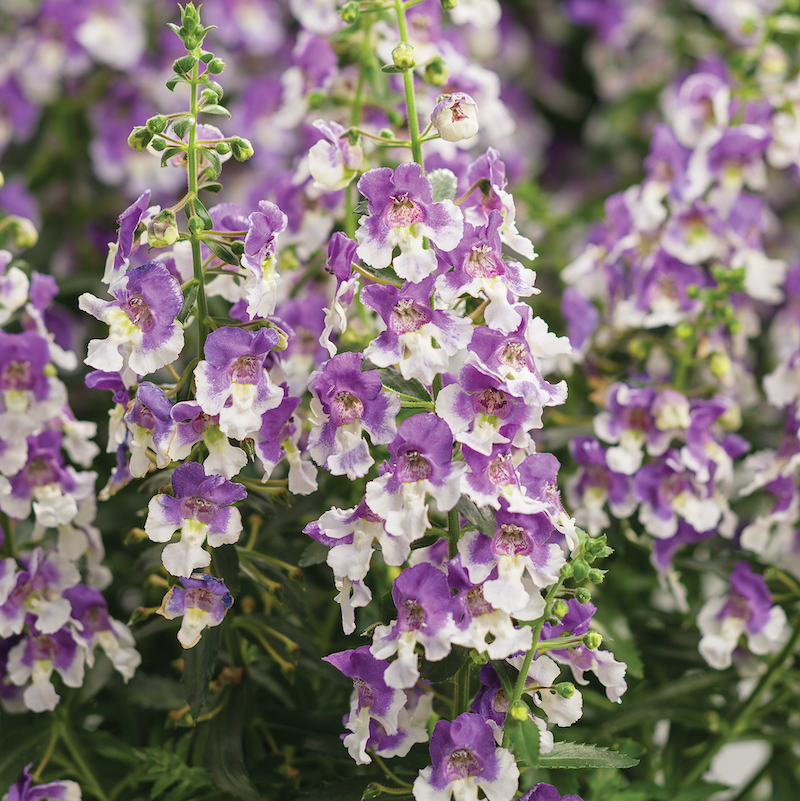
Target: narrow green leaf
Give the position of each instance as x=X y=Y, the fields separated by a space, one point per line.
x=202 y=213
x=222 y=251
x=188 y=303
x=198 y=667
x=392 y=70
x=216 y=109
x=524 y=736
x=580 y=755
x=413 y=388
x=225 y=756
x=483 y=519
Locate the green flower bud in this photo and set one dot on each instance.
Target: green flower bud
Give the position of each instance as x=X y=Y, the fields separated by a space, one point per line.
x=448 y=5
x=580 y=569
x=519 y=711
x=185 y=64
x=195 y=225
x=560 y=608
x=249 y=446
x=157 y=124
x=22 y=230
x=237 y=246
x=158 y=144
x=552 y=620
x=582 y=595
x=566 y=689
x=316 y=98
x=592 y=640
x=223 y=148
x=597 y=545
x=684 y=330
x=216 y=88
x=140 y=138
x=596 y=576
x=190 y=17
x=350 y=12
x=436 y=72
x=241 y=147
x=386 y=133
x=215 y=66
x=162 y=230
x=566 y=570
x=720 y=364
x=479 y=658
x=403 y=56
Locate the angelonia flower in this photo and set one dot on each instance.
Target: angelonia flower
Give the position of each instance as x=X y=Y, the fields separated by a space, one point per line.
x=455 y=117
x=24 y=789
x=201 y=603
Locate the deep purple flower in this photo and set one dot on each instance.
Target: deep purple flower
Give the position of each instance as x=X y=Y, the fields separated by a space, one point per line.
x=119 y=252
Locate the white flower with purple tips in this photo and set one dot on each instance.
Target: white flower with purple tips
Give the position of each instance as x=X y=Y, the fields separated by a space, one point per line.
x=412 y=328
x=401 y=214
x=333 y=161
x=455 y=117
x=150 y=423
x=201 y=510
x=261 y=288
x=232 y=381
x=202 y=602
x=466 y=759
x=346 y=403
x=119 y=252
x=13 y=287
x=144 y=334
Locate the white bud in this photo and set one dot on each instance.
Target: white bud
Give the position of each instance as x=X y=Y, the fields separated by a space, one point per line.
x=456 y=117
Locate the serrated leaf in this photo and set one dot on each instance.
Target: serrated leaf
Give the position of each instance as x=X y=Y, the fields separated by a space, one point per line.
x=222 y=251
x=362 y=207
x=315 y=553
x=446 y=668
x=216 y=109
x=225 y=756
x=481 y=518
x=444 y=183
x=198 y=667
x=580 y=755
x=169 y=153
x=188 y=303
x=181 y=127
x=413 y=388
x=524 y=736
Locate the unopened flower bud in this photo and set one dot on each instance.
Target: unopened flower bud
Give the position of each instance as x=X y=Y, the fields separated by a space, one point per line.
x=519 y=711
x=223 y=148
x=350 y=12
x=566 y=570
x=215 y=66
x=597 y=545
x=140 y=138
x=580 y=569
x=162 y=230
x=316 y=99
x=403 y=56
x=386 y=133
x=582 y=595
x=158 y=144
x=684 y=330
x=566 y=689
x=241 y=147
x=157 y=124
x=592 y=640
x=596 y=576
x=455 y=117
x=237 y=246
x=436 y=71
x=720 y=364
x=22 y=230
x=448 y=5
x=195 y=225
x=216 y=88
x=560 y=608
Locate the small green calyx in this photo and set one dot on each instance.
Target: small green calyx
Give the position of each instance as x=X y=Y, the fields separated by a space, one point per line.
x=158 y=144
x=560 y=608
x=481 y=658
x=195 y=225
x=191 y=31
x=223 y=148
x=162 y=230
x=22 y=230
x=582 y=595
x=237 y=246
x=596 y=576
x=566 y=689
x=448 y=5
x=350 y=12
x=580 y=569
x=519 y=711
x=241 y=147
x=592 y=640
x=216 y=66
x=403 y=56
x=436 y=72
x=140 y=138
x=157 y=124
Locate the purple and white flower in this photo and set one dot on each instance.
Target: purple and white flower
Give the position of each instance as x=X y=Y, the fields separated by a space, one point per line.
x=333 y=161
x=455 y=117
x=202 y=510
x=261 y=288
x=202 y=602
x=150 y=423
x=23 y=789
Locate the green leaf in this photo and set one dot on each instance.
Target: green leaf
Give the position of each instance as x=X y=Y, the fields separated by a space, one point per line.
x=315 y=553
x=524 y=736
x=446 y=668
x=362 y=207
x=444 y=183
x=19 y=746
x=202 y=213
x=226 y=561
x=216 y=109
x=188 y=303
x=412 y=388
x=213 y=159
x=198 y=667
x=169 y=153
x=483 y=519
x=225 y=756
x=181 y=127
x=175 y=80
x=392 y=70
x=211 y=186
x=580 y=755
x=222 y=252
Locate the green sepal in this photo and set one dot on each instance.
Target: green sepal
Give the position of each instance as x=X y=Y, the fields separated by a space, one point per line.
x=362 y=207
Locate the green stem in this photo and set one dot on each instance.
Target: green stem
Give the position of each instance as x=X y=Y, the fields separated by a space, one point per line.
x=76 y=752
x=519 y=687
x=741 y=715
x=408 y=85
x=47 y=754
x=197 y=260
x=461 y=689
x=453 y=533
